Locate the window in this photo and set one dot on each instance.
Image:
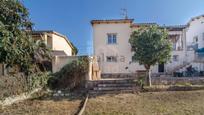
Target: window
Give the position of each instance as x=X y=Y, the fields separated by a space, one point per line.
x=112 y=38
x=111 y=59
x=175 y=57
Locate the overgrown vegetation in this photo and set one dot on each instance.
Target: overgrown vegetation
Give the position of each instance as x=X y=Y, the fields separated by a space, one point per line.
x=20 y=83
x=19 y=51
x=71 y=76
x=17 y=48
x=141 y=81
x=46 y=104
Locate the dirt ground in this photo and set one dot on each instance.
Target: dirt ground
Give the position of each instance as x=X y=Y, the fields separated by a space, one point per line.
x=150 y=103
x=45 y=106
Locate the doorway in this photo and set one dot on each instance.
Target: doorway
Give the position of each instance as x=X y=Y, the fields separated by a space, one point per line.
x=161 y=68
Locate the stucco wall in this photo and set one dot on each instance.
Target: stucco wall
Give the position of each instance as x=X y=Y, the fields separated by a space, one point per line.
x=59 y=43
x=122 y=49
x=59 y=62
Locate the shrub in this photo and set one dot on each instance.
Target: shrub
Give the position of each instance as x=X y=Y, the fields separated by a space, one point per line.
x=141 y=81
x=38 y=80
x=71 y=76
x=17 y=84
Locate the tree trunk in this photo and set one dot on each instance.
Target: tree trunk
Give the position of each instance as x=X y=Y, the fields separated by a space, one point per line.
x=148 y=76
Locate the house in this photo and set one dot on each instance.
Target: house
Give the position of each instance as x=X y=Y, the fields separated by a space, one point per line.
x=61 y=47
x=195 y=41
x=62 y=50
x=113 y=51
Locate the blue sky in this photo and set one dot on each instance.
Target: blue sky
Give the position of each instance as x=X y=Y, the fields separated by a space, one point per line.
x=72 y=17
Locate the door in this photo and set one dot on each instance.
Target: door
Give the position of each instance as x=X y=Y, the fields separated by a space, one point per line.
x=161 y=68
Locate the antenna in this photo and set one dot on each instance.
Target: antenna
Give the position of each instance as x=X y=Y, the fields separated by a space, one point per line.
x=124 y=13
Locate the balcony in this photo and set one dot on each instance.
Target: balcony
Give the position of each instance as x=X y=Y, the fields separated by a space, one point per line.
x=176 y=41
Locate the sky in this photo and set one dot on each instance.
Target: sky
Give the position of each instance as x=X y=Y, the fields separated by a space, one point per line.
x=72 y=17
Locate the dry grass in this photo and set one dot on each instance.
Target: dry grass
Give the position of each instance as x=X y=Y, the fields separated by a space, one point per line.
x=45 y=106
x=157 y=103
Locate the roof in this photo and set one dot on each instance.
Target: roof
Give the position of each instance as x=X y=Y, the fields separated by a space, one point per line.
x=143 y=24
x=175 y=27
x=194 y=18
x=170 y=28
x=53 y=32
x=112 y=21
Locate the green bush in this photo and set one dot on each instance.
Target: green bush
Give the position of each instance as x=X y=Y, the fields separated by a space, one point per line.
x=38 y=80
x=71 y=76
x=141 y=81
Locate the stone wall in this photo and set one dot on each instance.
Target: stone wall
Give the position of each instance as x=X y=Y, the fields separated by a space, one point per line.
x=60 y=61
x=177 y=80
x=119 y=75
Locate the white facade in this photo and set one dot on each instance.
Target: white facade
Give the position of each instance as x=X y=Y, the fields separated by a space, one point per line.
x=121 y=49
x=116 y=56
x=195 y=32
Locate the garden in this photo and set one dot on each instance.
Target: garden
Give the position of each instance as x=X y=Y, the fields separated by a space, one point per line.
x=27 y=85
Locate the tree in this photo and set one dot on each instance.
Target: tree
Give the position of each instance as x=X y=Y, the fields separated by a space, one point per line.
x=150 y=46
x=17 y=48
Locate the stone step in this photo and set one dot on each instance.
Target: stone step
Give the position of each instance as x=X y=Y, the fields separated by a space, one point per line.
x=112 y=88
x=93 y=92
x=108 y=76
x=113 y=81
x=117 y=85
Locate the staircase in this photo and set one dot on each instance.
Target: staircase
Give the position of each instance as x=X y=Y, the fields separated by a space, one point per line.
x=114 y=84
x=184 y=65
x=118 y=76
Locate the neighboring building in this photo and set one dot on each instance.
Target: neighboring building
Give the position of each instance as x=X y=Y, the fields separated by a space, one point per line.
x=195 y=32
x=195 y=40
x=62 y=50
x=177 y=38
x=59 y=44
x=111 y=46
